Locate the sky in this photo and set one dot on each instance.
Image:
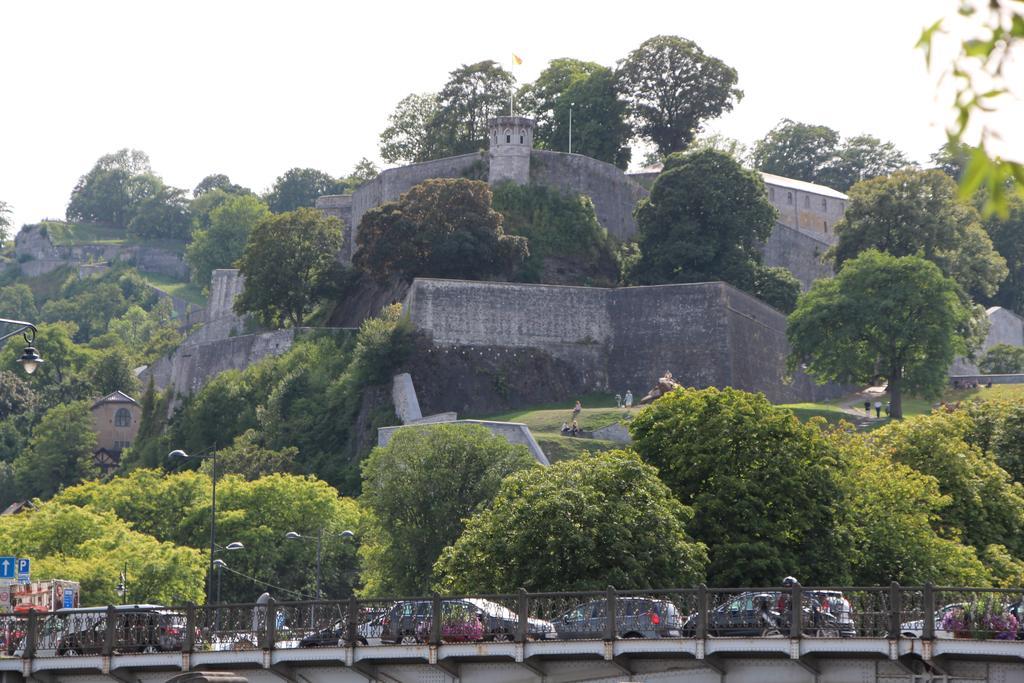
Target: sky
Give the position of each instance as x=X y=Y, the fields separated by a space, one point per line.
x=254 y=88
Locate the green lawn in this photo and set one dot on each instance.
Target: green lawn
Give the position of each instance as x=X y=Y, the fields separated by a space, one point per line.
x=73 y=234
x=182 y=290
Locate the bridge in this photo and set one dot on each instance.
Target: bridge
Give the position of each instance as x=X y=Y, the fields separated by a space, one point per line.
x=697 y=635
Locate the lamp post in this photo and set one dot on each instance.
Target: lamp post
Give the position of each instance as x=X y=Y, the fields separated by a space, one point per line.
x=30 y=358
x=212 y=456
x=296 y=536
x=570 y=126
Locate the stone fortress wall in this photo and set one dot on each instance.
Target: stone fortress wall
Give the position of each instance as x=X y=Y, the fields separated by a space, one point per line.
x=707 y=334
x=1004 y=327
x=799 y=251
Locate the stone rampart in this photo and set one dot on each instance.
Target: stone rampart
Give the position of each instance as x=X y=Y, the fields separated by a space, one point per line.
x=801 y=252
x=707 y=334
x=33 y=245
x=614 y=194
x=391 y=183
x=1004 y=327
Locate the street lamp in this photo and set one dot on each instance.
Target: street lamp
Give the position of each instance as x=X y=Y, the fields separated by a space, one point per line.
x=178 y=453
x=296 y=536
x=570 y=126
x=30 y=358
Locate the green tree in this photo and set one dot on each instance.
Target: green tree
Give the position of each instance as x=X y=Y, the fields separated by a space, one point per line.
x=764 y=487
x=409 y=137
x=672 y=87
x=109 y=192
x=248 y=457
x=218 y=181
x=60 y=452
x=860 y=158
x=891 y=510
x=473 y=94
x=440 y=228
x=704 y=220
x=91 y=547
x=917 y=213
x=163 y=214
x=1006 y=443
x=223 y=242
x=1007 y=235
x=17 y=301
x=5 y=222
x=365 y=170
x=91 y=309
x=289 y=263
x=951 y=159
x=797 y=150
x=882 y=317
x=1002 y=359
x=299 y=187
x=419 y=490
x=985 y=507
x=601 y=519
x=112 y=370
x=16 y=395
x=599 y=127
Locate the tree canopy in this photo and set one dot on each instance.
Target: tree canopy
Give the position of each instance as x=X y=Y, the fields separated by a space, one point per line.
x=601 y=519
x=882 y=317
x=418 y=491
x=764 y=487
x=439 y=228
x=222 y=243
x=918 y=213
x=672 y=88
x=289 y=263
x=408 y=136
x=473 y=94
x=299 y=187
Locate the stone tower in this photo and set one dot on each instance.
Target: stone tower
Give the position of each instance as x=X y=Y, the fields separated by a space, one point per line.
x=511 y=140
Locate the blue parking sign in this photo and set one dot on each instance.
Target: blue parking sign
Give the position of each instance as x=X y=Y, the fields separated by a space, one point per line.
x=24 y=564
x=7 y=565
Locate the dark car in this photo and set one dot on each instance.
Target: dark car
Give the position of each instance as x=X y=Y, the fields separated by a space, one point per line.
x=137 y=628
x=464 y=619
x=333 y=635
x=634 y=618
x=767 y=614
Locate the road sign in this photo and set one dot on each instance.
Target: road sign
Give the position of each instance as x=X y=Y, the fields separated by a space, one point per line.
x=24 y=565
x=69 y=597
x=7 y=566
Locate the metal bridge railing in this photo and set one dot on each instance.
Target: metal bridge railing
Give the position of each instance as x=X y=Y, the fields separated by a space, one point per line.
x=891 y=612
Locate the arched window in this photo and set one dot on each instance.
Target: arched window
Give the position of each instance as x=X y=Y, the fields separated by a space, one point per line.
x=508 y=135
x=122 y=418
x=807 y=201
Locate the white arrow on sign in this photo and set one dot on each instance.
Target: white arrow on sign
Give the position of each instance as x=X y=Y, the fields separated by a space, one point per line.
x=6 y=565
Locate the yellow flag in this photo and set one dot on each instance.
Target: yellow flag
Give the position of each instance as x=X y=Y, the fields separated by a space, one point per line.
x=516 y=59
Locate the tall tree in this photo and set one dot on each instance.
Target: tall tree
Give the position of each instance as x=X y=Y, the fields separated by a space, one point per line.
x=599 y=127
x=289 y=263
x=5 y=222
x=862 y=157
x=473 y=94
x=763 y=485
x=218 y=181
x=704 y=220
x=109 y=192
x=223 y=242
x=440 y=228
x=673 y=87
x=797 y=150
x=409 y=137
x=60 y=452
x=162 y=213
x=883 y=317
x=580 y=524
x=918 y=212
x=1007 y=235
x=419 y=490
x=299 y=187
x=365 y=170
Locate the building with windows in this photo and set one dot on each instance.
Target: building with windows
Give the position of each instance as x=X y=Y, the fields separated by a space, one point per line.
x=115 y=418
x=805 y=206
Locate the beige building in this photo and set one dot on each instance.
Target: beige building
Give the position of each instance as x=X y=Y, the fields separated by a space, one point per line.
x=116 y=420
x=805 y=206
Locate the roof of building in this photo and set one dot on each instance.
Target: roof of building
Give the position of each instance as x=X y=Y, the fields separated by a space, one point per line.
x=18 y=506
x=801 y=186
x=116 y=397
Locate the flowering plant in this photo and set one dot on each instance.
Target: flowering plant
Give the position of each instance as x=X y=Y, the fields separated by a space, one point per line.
x=980 y=622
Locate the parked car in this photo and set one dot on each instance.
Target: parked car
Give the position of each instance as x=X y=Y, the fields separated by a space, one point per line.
x=408 y=621
x=758 y=614
x=367 y=633
x=634 y=618
x=137 y=628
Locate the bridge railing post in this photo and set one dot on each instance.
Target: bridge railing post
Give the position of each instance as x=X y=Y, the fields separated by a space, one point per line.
x=31 y=635
x=928 y=598
x=435 y=619
x=108 y=632
x=611 y=623
x=269 y=634
x=352 y=622
x=796 y=610
x=702 y=611
x=895 y=608
x=523 y=608
x=190 y=628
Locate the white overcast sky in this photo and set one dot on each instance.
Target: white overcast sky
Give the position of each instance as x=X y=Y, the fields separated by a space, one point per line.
x=254 y=88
